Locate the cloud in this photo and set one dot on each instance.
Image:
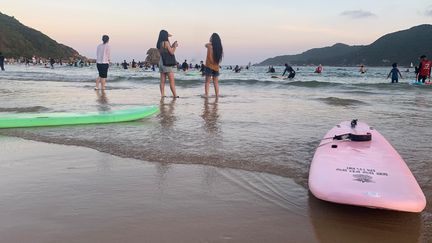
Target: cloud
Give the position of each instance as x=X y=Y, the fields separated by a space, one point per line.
x=358 y=14
x=428 y=12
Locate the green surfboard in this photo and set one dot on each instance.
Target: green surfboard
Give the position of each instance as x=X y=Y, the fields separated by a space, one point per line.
x=59 y=119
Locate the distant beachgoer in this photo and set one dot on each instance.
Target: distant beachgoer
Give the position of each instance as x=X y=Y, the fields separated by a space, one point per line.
x=103 y=55
x=163 y=45
x=394 y=73
x=125 y=64
x=237 y=69
x=424 y=69
x=290 y=70
x=319 y=69
x=52 y=62
x=214 y=57
x=134 y=64
x=185 y=66
x=362 y=69
x=271 y=69
x=2 y=58
x=202 y=67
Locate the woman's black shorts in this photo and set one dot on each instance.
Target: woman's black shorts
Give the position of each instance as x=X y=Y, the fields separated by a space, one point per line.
x=210 y=72
x=103 y=69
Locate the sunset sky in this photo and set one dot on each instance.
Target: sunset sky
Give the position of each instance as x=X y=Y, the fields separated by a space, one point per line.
x=250 y=30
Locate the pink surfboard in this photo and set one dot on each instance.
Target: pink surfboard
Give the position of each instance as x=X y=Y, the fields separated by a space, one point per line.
x=362 y=168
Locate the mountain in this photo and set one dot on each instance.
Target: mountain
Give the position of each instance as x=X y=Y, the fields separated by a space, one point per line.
x=403 y=47
x=18 y=40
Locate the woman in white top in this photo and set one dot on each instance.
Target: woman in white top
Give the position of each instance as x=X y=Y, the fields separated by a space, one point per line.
x=103 y=55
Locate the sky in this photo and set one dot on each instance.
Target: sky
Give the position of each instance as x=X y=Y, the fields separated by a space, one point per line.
x=251 y=30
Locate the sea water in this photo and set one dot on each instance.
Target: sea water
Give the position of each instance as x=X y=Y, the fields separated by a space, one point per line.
x=258 y=124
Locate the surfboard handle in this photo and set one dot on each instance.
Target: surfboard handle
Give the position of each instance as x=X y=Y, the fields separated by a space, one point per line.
x=354 y=123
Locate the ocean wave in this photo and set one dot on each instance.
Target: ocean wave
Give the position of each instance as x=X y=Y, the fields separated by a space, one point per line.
x=298 y=174
x=312 y=84
x=48 y=79
x=334 y=101
x=30 y=109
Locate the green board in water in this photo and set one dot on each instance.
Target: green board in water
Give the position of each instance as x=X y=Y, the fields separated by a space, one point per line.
x=192 y=74
x=58 y=119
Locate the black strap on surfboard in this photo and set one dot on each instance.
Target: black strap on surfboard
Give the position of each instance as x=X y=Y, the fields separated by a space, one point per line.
x=354 y=137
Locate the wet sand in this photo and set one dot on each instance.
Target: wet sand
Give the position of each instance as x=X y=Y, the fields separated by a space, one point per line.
x=58 y=193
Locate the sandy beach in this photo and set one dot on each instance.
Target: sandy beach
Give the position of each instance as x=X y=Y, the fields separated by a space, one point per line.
x=58 y=193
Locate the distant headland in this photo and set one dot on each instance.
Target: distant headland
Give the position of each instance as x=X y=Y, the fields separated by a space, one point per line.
x=19 y=41
x=403 y=47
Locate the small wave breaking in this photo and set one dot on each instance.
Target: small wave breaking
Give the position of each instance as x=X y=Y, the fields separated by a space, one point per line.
x=334 y=101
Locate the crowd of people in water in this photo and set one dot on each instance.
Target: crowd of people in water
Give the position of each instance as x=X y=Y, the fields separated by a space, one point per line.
x=209 y=69
x=45 y=62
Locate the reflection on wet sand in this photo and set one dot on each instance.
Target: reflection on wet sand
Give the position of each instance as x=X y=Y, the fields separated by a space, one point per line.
x=166 y=114
x=211 y=116
x=162 y=175
x=102 y=101
x=343 y=223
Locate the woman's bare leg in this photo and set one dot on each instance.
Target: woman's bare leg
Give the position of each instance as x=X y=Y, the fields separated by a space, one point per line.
x=207 y=85
x=172 y=84
x=162 y=84
x=216 y=85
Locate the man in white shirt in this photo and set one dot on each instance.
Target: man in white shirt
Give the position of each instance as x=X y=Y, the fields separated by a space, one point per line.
x=103 y=58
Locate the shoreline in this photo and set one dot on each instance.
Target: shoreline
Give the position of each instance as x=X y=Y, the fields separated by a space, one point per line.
x=56 y=192
x=76 y=194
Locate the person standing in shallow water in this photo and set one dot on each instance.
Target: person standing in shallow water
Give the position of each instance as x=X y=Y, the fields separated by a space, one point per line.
x=214 y=57
x=289 y=70
x=394 y=74
x=362 y=69
x=103 y=59
x=163 y=45
x=2 y=61
x=424 y=70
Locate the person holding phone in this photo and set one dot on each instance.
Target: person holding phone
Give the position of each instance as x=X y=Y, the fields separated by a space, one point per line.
x=163 y=45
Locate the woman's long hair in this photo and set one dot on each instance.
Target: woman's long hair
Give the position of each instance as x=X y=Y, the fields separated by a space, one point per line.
x=163 y=36
x=217 y=47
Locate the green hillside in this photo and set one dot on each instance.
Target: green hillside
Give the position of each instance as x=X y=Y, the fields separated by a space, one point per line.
x=18 y=40
x=402 y=47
